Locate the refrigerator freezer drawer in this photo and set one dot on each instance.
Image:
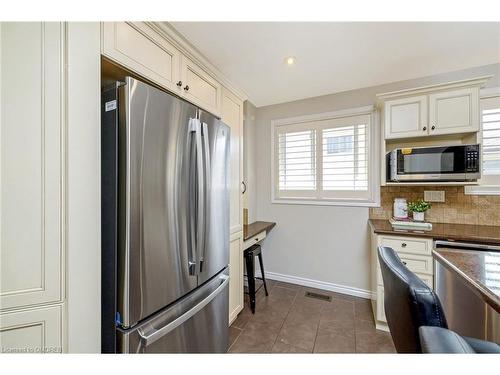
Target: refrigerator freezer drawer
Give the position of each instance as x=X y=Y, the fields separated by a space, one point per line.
x=195 y=324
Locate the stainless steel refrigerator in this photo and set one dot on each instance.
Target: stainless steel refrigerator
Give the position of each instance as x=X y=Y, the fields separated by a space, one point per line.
x=165 y=223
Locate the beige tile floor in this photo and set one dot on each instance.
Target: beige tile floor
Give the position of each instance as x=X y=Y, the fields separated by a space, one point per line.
x=288 y=322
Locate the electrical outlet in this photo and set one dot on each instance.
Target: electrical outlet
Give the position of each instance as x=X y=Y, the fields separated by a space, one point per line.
x=434 y=195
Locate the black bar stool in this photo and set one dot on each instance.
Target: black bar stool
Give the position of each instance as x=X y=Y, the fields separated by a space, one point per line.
x=250 y=255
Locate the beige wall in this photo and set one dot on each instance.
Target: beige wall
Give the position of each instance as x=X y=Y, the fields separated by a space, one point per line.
x=328 y=244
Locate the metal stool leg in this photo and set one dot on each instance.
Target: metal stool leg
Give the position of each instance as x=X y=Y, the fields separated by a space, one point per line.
x=261 y=263
x=250 y=263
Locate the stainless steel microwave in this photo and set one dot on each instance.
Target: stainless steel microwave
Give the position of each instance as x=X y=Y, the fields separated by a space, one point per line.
x=446 y=163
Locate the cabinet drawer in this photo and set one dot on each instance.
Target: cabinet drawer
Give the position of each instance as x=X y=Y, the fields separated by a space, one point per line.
x=417 y=264
x=255 y=239
x=426 y=278
x=140 y=49
x=408 y=245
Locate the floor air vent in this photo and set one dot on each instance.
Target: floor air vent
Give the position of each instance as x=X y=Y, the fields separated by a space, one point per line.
x=323 y=297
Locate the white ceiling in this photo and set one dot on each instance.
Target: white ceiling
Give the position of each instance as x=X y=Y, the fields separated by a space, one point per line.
x=333 y=57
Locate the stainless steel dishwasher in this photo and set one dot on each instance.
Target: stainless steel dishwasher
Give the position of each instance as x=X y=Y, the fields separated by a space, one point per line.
x=466 y=312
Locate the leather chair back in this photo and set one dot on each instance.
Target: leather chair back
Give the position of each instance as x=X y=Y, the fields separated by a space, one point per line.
x=409 y=302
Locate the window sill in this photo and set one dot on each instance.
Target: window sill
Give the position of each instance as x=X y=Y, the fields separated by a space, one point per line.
x=345 y=203
x=482 y=190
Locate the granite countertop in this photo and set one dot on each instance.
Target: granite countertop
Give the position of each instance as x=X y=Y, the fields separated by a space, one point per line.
x=479 y=269
x=256 y=227
x=442 y=231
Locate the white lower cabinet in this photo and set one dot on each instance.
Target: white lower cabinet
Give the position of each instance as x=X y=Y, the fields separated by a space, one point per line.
x=380 y=311
x=32 y=331
x=236 y=276
x=414 y=252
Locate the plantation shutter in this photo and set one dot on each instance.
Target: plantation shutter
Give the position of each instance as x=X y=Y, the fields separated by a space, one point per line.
x=490 y=121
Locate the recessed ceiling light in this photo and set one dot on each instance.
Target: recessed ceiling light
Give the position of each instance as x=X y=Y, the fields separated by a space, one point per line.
x=290 y=60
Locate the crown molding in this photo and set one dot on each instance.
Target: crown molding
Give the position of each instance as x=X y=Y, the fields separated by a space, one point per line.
x=477 y=81
x=180 y=42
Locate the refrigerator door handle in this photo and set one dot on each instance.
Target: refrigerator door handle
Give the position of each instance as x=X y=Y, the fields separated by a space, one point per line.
x=156 y=334
x=200 y=207
x=194 y=126
x=206 y=193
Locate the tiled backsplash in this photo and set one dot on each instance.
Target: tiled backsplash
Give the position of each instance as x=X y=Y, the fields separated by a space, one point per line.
x=458 y=208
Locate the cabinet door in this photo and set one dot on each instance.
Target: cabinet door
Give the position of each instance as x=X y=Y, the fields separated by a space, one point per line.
x=31 y=331
x=455 y=111
x=236 y=276
x=232 y=115
x=406 y=117
x=199 y=87
x=137 y=47
x=32 y=137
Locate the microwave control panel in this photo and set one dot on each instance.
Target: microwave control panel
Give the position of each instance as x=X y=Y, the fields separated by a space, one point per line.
x=472 y=158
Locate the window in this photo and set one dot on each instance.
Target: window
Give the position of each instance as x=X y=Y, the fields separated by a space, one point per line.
x=489 y=137
x=339 y=143
x=297 y=160
x=325 y=159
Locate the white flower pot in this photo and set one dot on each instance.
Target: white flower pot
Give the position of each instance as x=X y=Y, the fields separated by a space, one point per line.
x=418 y=216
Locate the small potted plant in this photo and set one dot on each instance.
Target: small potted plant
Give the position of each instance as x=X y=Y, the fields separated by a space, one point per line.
x=418 y=208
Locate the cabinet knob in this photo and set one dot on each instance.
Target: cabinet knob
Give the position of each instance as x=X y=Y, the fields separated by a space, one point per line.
x=179 y=84
x=186 y=88
x=403 y=244
x=433 y=127
x=424 y=128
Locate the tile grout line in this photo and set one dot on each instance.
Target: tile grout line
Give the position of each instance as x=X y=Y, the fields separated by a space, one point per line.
x=355 y=329
x=236 y=339
x=317 y=327
x=283 y=323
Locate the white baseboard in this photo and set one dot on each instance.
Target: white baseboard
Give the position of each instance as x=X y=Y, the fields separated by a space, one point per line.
x=343 y=289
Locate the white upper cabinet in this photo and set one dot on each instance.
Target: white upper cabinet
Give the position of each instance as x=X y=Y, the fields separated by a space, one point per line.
x=199 y=87
x=232 y=115
x=454 y=111
x=32 y=163
x=406 y=117
x=138 y=48
x=143 y=49
x=451 y=108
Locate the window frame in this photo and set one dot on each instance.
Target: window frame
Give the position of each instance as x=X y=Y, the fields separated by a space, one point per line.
x=486 y=185
x=318 y=196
